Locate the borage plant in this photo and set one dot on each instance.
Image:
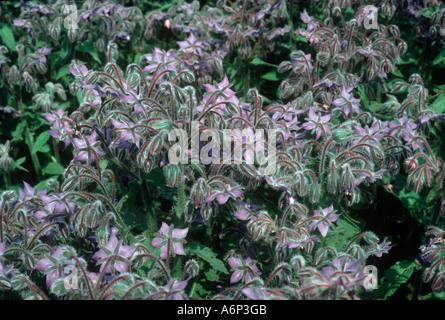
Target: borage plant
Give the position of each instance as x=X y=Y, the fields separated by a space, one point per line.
x=238 y=150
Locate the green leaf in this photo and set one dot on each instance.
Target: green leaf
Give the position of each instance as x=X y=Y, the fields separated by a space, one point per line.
x=53 y=168
x=440 y=58
x=156 y=177
x=17 y=164
x=208 y=255
x=340 y=232
x=17 y=134
x=8 y=37
x=397 y=73
x=89 y=47
x=271 y=76
x=41 y=140
x=438 y=105
x=63 y=71
x=395 y=277
x=259 y=62
x=43 y=184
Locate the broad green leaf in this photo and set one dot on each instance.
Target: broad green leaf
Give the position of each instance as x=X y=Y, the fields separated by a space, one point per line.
x=440 y=58
x=17 y=134
x=53 y=168
x=438 y=105
x=208 y=255
x=63 y=71
x=259 y=62
x=45 y=148
x=89 y=47
x=41 y=140
x=7 y=37
x=156 y=177
x=394 y=278
x=271 y=76
x=43 y=184
x=397 y=73
x=340 y=232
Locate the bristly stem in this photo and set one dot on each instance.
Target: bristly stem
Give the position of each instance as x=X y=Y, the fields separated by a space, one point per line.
x=28 y=139
x=181 y=193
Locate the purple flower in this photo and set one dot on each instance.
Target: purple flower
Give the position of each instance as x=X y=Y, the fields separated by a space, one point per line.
x=2 y=251
x=318 y=122
x=127 y=132
x=192 y=45
x=61 y=128
x=174 y=287
x=370 y=133
x=52 y=266
x=78 y=70
x=278 y=32
x=229 y=93
x=382 y=248
x=345 y=273
x=114 y=247
x=29 y=192
x=86 y=146
x=347 y=100
x=308 y=20
x=243 y=269
x=160 y=56
x=170 y=238
x=327 y=216
x=223 y=195
x=300 y=243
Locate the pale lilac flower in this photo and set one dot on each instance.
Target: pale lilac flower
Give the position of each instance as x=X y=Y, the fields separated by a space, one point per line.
x=29 y=192
x=308 y=20
x=347 y=100
x=318 y=122
x=61 y=128
x=84 y=149
x=300 y=243
x=127 y=132
x=278 y=32
x=222 y=196
x=382 y=248
x=52 y=266
x=229 y=93
x=346 y=273
x=327 y=216
x=192 y=45
x=175 y=287
x=114 y=247
x=160 y=56
x=370 y=134
x=243 y=269
x=2 y=251
x=168 y=236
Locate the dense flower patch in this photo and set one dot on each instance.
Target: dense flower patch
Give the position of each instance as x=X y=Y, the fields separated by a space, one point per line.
x=244 y=149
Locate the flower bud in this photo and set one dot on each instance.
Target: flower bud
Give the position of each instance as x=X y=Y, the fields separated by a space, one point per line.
x=133 y=79
x=14 y=74
x=172 y=175
x=199 y=193
x=342 y=134
x=410 y=164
